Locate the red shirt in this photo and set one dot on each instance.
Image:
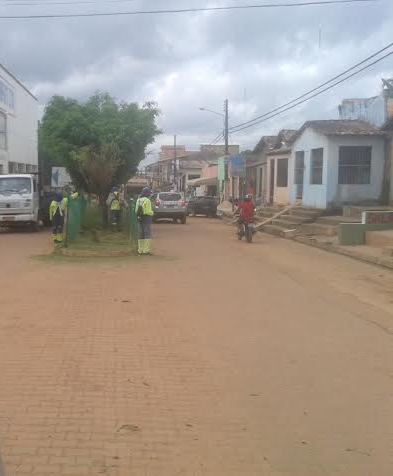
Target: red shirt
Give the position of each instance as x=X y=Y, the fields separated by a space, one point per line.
x=247 y=211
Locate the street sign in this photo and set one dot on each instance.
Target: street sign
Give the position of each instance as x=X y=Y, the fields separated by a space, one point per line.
x=238 y=166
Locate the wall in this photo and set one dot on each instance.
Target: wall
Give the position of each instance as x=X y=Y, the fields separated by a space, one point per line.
x=342 y=194
x=389 y=156
x=351 y=234
x=372 y=110
x=210 y=171
x=22 y=125
x=314 y=196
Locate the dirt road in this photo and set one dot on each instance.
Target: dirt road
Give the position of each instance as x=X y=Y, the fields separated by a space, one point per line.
x=213 y=358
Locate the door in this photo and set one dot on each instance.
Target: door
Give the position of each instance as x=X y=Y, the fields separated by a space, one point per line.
x=271 y=188
x=299 y=174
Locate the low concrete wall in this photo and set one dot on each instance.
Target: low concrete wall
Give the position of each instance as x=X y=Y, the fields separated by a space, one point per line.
x=350 y=234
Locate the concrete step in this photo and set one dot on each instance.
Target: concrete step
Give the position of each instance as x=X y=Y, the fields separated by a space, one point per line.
x=265 y=213
x=296 y=219
x=336 y=220
x=319 y=229
x=286 y=223
x=309 y=213
x=380 y=239
x=268 y=211
x=274 y=230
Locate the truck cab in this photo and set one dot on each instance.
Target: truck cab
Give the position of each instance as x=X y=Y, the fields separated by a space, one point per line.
x=19 y=200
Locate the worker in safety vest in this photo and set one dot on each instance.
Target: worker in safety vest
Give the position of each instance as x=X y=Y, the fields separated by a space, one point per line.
x=57 y=212
x=115 y=205
x=144 y=212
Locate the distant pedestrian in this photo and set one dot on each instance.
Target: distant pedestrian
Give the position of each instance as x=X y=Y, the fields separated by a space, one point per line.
x=144 y=211
x=57 y=212
x=115 y=204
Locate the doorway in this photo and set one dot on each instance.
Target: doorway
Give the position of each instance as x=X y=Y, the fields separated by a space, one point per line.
x=299 y=174
x=272 y=181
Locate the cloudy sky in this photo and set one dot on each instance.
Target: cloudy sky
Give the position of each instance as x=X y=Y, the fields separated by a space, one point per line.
x=258 y=59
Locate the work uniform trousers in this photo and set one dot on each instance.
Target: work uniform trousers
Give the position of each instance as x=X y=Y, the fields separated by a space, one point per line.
x=144 y=235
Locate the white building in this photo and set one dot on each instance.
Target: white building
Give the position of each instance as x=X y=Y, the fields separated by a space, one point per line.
x=18 y=126
x=336 y=163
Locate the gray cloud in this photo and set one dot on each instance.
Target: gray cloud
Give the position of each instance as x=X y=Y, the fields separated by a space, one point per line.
x=259 y=59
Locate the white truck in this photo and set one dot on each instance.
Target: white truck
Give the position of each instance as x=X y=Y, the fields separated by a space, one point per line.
x=19 y=201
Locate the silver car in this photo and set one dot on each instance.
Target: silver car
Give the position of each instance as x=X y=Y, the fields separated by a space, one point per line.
x=169 y=205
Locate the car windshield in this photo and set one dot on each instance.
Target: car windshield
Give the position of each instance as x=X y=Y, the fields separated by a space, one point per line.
x=15 y=185
x=170 y=197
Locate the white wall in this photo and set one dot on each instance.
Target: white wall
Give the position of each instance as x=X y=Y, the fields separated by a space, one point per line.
x=313 y=195
x=330 y=193
x=341 y=194
x=22 y=125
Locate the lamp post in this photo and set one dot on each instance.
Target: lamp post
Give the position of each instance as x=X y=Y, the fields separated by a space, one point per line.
x=225 y=115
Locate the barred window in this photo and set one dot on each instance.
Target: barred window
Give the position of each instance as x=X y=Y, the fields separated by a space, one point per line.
x=316 y=177
x=354 y=165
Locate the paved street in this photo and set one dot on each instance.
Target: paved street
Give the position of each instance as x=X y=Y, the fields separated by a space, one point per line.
x=212 y=358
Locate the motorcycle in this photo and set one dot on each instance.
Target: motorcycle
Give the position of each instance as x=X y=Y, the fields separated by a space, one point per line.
x=245 y=229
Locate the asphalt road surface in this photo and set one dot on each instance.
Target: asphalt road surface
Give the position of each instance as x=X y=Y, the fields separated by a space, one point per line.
x=214 y=357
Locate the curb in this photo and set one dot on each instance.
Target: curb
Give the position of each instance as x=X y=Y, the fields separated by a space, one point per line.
x=349 y=253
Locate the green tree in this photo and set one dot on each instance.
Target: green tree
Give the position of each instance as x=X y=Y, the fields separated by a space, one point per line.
x=71 y=130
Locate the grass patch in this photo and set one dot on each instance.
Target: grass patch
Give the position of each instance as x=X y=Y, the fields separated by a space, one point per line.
x=101 y=240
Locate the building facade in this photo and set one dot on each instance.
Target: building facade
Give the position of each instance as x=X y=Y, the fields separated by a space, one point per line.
x=376 y=110
x=278 y=163
x=334 y=163
x=18 y=126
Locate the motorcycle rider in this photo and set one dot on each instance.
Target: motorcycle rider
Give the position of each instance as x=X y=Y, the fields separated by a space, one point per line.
x=245 y=211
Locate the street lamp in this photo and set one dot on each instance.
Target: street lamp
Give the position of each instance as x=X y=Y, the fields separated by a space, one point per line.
x=213 y=112
x=226 y=123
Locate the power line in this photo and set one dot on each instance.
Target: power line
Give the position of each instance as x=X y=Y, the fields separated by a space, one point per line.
x=217 y=139
x=251 y=121
x=35 y=3
x=316 y=94
x=186 y=10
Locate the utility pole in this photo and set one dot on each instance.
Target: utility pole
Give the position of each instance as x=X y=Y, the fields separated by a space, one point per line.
x=174 y=162
x=226 y=127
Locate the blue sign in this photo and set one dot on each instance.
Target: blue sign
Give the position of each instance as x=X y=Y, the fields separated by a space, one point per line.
x=238 y=166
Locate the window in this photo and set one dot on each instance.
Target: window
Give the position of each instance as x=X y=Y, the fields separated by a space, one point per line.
x=193 y=176
x=12 y=168
x=282 y=172
x=21 y=168
x=7 y=96
x=299 y=167
x=1 y=169
x=15 y=185
x=170 y=197
x=316 y=167
x=354 y=165
x=3 y=131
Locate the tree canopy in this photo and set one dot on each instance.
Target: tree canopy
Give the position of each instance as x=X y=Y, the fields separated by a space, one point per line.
x=74 y=134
